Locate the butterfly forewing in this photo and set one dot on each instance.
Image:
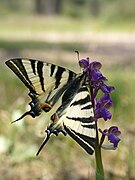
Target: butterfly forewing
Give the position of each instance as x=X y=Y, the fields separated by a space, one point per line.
x=41 y=77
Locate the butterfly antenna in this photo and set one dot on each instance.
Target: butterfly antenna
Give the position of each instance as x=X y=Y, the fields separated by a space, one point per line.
x=44 y=142
x=78 y=55
x=27 y=113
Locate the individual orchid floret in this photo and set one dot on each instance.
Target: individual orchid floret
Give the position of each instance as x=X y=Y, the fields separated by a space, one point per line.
x=95 y=65
x=84 y=63
x=100 y=85
x=92 y=69
x=106 y=89
x=102 y=107
x=112 y=134
x=103 y=113
x=97 y=76
x=105 y=101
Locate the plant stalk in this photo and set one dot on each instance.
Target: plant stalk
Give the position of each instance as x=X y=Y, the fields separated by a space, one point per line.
x=98 y=158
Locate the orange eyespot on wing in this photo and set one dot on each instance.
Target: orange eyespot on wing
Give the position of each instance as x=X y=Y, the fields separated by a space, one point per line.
x=46 y=107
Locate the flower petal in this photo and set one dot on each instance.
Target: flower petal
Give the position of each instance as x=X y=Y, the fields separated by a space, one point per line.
x=95 y=65
x=97 y=75
x=112 y=134
x=106 y=89
x=114 y=139
x=84 y=63
x=103 y=113
x=105 y=101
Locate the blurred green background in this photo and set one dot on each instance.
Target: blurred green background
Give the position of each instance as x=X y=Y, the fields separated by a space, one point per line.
x=52 y=30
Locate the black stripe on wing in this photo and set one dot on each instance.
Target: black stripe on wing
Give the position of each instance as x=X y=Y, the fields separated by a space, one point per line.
x=83 y=89
x=33 y=66
x=52 y=69
x=89 y=126
x=87 y=107
x=70 y=77
x=83 y=120
x=85 y=142
x=20 y=66
x=58 y=76
x=81 y=101
x=17 y=67
x=40 y=73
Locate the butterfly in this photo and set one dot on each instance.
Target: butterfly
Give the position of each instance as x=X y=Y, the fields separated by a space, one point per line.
x=63 y=95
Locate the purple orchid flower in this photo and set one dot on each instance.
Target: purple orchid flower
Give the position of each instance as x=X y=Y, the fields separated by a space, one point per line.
x=84 y=63
x=112 y=134
x=102 y=107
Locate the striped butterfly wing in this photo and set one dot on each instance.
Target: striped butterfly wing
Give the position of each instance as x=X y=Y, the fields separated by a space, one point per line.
x=79 y=120
x=45 y=81
x=75 y=117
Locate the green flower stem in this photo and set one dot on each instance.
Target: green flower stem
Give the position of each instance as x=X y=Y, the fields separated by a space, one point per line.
x=98 y=157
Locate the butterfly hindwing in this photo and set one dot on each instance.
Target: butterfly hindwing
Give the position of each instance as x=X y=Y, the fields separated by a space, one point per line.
x=75 y=116
x=79 y=120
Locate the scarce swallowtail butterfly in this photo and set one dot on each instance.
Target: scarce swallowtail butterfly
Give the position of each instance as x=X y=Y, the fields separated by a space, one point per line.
x=63 y=94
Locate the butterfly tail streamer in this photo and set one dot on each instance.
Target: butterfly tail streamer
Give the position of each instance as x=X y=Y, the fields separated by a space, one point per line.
x=44 y=141
x=25 y=114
